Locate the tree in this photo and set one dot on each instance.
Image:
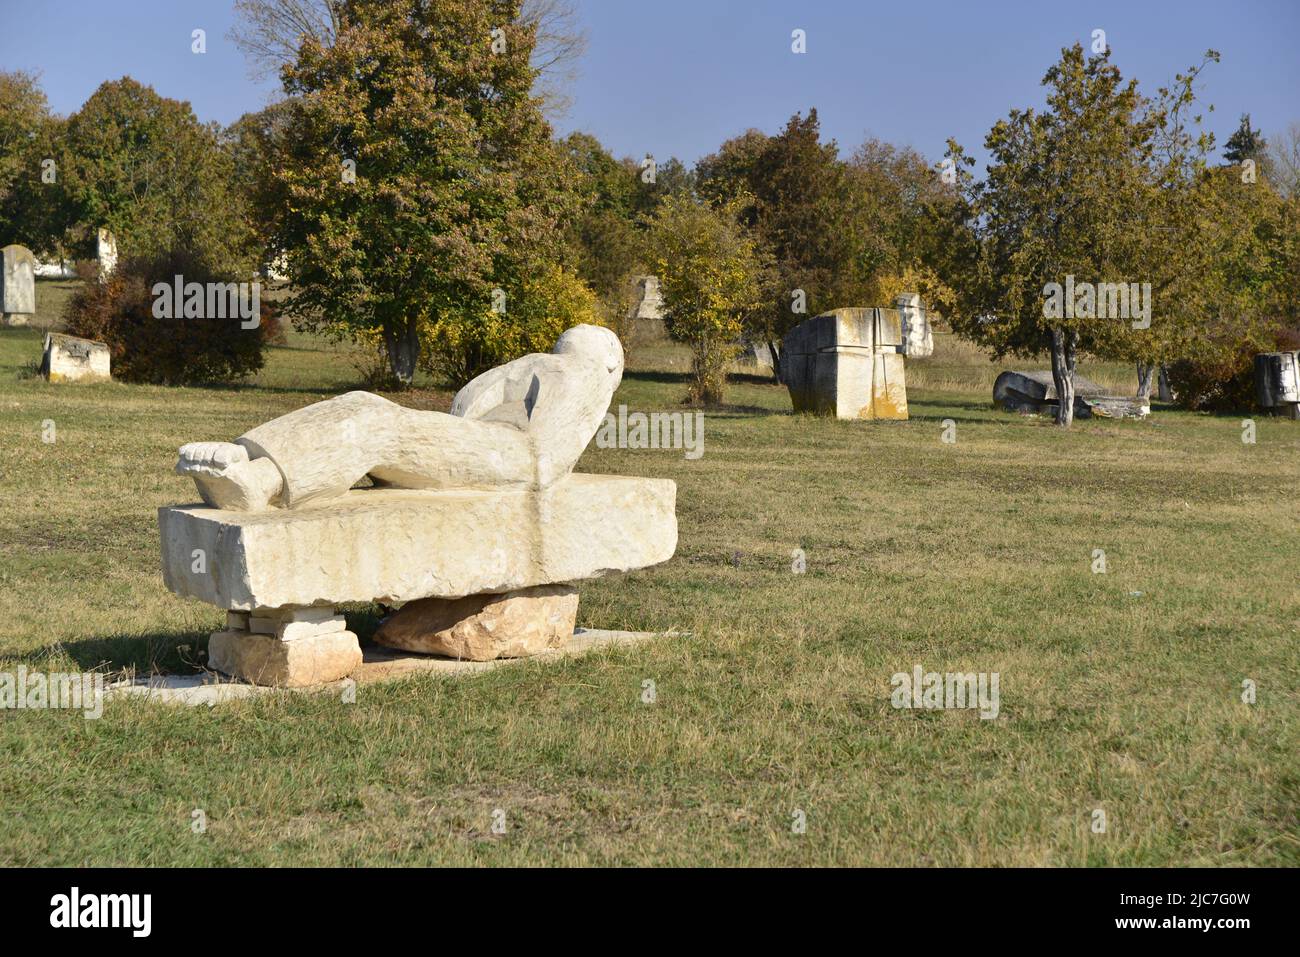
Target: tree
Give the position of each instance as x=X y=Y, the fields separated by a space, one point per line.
x=1284 y=161
x=30 y=204
x=270 y=33
x=799 y=198
x=417 y=174
x=1245 y=143
x=253 y=142
x=1246 y=249
x=145 y=167
x=710 y=275
x=1068 y=195
x=460 y=346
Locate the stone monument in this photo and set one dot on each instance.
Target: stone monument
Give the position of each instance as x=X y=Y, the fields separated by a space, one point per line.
x=17 y=285
x=69 y=359
x=847 y=363
x=1277 y=382
x=1035 y=393
x=918 y=338
x=106 y=252
x=474 y=520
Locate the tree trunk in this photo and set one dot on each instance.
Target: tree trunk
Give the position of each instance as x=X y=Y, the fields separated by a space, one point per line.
x=403 y=344
x=1145 y=370
x=1165 y=393
x=1063 y=362
x=775 y=351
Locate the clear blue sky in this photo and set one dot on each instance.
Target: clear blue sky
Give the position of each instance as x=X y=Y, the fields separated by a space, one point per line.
x=676 y=77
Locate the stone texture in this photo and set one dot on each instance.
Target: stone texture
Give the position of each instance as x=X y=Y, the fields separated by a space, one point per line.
x=651 y=303
x=1035 y=392
x=69 y=359
x=523 y=424
x=17 y=284
x=265 y=660
x=516 y=624
x=398 y=545
x=918 y=338
x=378 y=664
x=1277 y=382
x=237 y=621
x=847 y=363
x=290 y=623
x=106 y=251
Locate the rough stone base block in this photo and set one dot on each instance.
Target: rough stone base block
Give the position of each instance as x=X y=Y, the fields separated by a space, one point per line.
x=266 y=660
x=516 y=624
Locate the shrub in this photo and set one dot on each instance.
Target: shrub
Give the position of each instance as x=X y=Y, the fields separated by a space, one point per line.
x=1223 y=379
x=119 y=311
x=546 y=303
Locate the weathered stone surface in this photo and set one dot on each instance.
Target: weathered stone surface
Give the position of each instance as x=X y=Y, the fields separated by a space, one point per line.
x=523 y=424
x=106 y=251
x=69 y=359
x=652 y=301
x=378 y=664
x=847 y=363
x=1277 y=382
x=286 y=629
x=266 y=660
x=918 y=338
x=1035 y=392
x=516 y=624
x=17 y=284
x=397 y=545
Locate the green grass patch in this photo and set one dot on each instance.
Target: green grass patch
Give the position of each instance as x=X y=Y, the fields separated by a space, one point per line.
x=1119 y=691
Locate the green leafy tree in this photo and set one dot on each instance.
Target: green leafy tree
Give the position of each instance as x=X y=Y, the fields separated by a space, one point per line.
x=1245 y=143
x=146 y=168
x=417 y=174
x=32 y=211
x=1070 y=196
x=799 y=198
x=710 y=273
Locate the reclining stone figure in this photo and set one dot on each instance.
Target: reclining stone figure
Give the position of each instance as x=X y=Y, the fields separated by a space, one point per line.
x=521 y=425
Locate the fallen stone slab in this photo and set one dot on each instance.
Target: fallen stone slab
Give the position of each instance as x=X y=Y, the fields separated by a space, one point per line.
x=399 y=545
x=379 y=664
x=1035 y=392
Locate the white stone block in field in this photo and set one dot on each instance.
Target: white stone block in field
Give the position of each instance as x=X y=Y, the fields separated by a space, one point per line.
x=69 y=359
x=17 y=284
x=397 y=545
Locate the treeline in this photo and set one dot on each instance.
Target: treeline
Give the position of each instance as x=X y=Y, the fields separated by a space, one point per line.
x=415 y=199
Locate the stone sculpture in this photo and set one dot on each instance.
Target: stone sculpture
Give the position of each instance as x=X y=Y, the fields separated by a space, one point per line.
x=69 y=359
x=17 y=285
x=1277 y=382
x=1035 y=393
x=480 y=502
x=847 y=363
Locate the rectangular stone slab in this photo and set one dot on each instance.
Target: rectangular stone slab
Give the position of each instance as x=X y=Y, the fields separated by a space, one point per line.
x=397 y=545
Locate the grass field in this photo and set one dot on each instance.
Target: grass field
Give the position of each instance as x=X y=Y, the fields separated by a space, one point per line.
x=1119 y=691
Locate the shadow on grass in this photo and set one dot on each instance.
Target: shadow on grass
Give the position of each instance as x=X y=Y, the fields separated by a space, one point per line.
x=179 y=653
x=172 y=653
